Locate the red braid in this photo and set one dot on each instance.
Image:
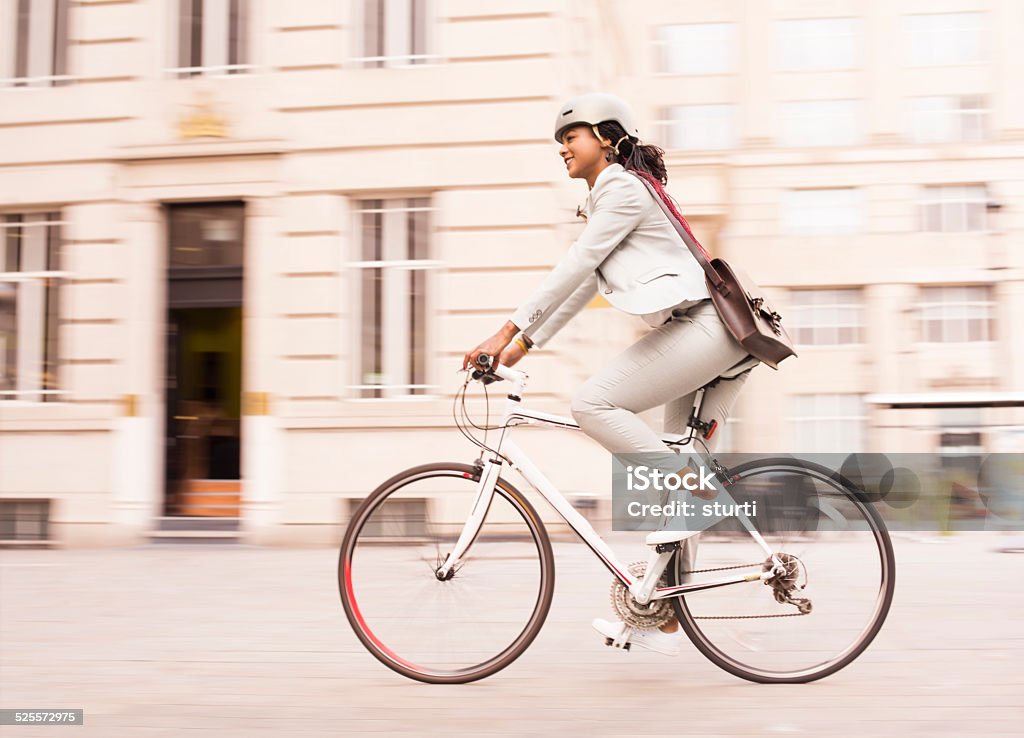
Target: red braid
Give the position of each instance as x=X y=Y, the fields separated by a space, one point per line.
x=672 y=207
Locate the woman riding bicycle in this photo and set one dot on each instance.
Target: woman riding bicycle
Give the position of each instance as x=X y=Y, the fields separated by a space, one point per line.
x=631 y=254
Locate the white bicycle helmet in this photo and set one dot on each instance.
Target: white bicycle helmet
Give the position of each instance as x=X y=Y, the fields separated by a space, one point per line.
x=594 y=108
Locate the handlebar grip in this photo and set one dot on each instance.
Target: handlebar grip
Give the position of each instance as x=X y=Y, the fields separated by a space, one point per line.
x=483 y=360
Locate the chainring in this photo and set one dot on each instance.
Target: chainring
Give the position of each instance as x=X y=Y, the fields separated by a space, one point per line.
x=643 y=617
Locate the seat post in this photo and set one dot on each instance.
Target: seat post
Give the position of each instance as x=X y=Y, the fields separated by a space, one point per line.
x=706 y=429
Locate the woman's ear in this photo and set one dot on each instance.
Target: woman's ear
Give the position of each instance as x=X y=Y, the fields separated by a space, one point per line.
x=605 y=142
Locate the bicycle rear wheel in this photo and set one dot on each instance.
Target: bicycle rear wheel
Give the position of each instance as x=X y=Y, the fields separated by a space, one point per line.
x=463 y=628
x=833 y=540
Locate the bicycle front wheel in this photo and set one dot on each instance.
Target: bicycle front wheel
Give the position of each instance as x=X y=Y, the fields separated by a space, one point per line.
x=444 y=631
x=832 y=601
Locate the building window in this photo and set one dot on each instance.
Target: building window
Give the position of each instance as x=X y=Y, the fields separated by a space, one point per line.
x=699 y=127
x=394 y=32
x=826 y=317
x=957 y=314
x=29 y=305
x=33 y=42
x=212 y=37
x=949 y=118
x=960 y=444
x=828 y=423
x=954 y=208
x=938 y=39
x=207 y=234
x=704 y=48
x=837 y=211
x=816 y=44
x=403 y=518
x=393 y=294
x=820 y=123
x=24 y=520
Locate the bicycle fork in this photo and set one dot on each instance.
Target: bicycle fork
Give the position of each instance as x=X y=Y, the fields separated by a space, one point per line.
x=477 y=514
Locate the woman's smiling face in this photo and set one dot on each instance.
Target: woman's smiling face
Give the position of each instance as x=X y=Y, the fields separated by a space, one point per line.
x=582 y=153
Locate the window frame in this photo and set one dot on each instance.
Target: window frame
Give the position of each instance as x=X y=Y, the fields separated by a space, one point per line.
x=816 y=305
x=940 y=195
x=662 y=47
x=358 y=38
x=45 y=388
x=244 y=40
x=915 y=45
x=667 y=124
x=860 y=420
x=792 y=137
x=787 y=226
x=358 y=389
x=21 y=56
x=944 y=305
x=958 y=115
x=786 y=36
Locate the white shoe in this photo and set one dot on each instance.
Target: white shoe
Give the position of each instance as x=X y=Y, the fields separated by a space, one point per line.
x=668 y=536
x=620 y=635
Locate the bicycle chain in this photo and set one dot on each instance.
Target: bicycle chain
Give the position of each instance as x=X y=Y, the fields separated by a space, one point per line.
x=740 y=617
x=722 y=568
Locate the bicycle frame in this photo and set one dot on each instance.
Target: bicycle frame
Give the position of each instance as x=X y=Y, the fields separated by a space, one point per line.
x=643 y=590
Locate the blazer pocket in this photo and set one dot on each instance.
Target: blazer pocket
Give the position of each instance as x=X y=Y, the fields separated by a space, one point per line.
x=655 y=273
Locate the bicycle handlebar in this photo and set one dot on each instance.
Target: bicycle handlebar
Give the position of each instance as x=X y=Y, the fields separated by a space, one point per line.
x=488 y=373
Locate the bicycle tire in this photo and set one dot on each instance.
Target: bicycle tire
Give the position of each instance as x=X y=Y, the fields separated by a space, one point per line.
x=380 y=650
x=887 y=576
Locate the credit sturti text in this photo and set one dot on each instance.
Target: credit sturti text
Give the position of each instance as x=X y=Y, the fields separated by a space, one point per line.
x=689 y=509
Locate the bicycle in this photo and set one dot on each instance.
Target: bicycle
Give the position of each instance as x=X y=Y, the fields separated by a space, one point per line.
x=448 y=595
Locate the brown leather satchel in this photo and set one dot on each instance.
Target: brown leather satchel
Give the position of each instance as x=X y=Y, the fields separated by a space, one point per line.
x=741 y=304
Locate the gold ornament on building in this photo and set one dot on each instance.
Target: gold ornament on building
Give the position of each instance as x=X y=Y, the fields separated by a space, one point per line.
x=203 y=122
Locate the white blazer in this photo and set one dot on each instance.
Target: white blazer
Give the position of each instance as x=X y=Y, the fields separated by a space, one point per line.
x=628 y=252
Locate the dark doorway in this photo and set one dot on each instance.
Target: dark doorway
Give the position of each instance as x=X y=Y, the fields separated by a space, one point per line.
x=204 y=360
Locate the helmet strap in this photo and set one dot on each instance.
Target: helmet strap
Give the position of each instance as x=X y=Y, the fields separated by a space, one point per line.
x=611 y=154
x=614 y=152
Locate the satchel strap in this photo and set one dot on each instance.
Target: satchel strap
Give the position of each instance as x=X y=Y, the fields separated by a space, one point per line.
x=682 y=228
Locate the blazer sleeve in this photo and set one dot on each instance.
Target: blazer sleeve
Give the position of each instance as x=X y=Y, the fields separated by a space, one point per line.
x=566 y=311
x=616 y=212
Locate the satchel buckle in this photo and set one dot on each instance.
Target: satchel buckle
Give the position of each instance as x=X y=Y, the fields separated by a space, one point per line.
x=774 y=319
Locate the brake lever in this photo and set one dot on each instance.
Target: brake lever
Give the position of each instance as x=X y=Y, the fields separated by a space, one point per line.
x=487 y=377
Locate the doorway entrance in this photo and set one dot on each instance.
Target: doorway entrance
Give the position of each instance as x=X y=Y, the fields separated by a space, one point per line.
x=204 y=360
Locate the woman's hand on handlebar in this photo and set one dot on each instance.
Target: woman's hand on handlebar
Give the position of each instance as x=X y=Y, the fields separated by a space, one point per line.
x=493 y=346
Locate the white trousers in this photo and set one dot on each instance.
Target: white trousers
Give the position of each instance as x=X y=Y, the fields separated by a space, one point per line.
x=665 y=367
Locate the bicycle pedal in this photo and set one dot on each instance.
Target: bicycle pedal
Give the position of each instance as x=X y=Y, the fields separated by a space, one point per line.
x=610 y=642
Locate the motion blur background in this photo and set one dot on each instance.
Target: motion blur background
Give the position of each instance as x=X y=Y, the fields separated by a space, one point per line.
x=244 y=244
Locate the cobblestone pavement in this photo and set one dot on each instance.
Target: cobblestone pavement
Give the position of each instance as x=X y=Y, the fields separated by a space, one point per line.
x=196 y=641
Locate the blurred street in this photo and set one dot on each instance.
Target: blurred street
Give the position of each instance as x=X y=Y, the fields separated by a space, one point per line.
x=239 y=641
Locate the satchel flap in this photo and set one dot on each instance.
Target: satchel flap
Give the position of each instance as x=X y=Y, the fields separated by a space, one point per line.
x=750 y=288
